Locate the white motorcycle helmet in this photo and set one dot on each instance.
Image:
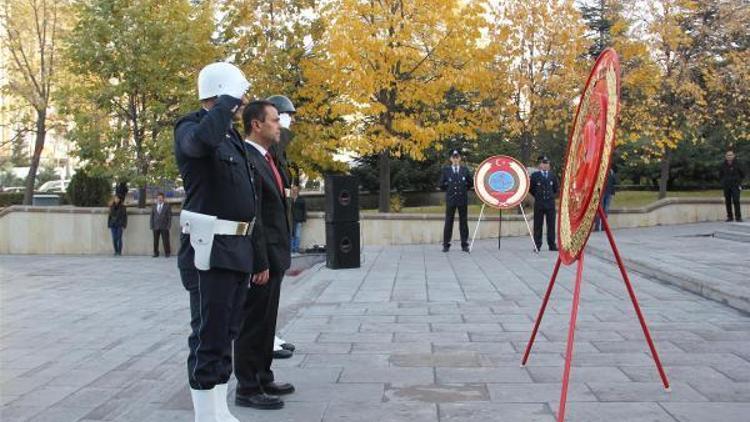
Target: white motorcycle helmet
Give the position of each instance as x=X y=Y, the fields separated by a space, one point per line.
x=221 y=78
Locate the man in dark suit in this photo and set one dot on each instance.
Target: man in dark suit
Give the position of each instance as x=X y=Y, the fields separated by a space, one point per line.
x=456 y=180
x=544 y=188
x=253 y=350
x=216 y=248
x=161 y=221
x=731 y=176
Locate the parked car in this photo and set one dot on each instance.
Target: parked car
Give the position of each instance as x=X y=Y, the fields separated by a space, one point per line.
x=15 y=189
x=55 y=186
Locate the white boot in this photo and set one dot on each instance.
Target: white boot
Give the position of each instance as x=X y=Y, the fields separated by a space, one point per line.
x=204 y=404
x=222 y=409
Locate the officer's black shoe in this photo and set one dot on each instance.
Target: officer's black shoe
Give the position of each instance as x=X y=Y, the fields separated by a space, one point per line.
x=282 y=354
x=288 y=346
x=729 y=220
x=465 y=248
x=446 y=248
x=258 y=400
x=739 y=220
x=553 y=248
x=278 y=389
x=155 y=255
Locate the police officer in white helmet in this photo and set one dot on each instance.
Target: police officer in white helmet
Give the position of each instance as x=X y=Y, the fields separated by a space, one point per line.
x=216 y=253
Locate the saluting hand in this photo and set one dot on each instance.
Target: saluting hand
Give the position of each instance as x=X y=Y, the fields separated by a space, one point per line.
x=260 y=278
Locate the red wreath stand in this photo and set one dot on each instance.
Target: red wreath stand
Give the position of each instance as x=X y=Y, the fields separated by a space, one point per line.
x=574 y=314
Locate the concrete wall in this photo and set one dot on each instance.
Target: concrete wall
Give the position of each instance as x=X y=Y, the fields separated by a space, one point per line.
x=83 y=231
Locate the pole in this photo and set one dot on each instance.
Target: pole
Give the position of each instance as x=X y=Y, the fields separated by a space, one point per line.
x=571 y=335
x=476 y=229
x=531 y=236
x=631 y=293
x=499 y=228
x=540 y=315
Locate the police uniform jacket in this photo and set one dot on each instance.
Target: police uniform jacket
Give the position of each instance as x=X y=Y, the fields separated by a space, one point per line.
x=544 y=190
x=218 y=180
x=456 y=185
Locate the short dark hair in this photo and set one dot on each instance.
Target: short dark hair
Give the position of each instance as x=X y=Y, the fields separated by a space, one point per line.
x=159 y=193
x=255 y=110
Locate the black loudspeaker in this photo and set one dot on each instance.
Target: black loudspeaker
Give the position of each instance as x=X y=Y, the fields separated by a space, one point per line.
x=342 y=245
x=342 y=198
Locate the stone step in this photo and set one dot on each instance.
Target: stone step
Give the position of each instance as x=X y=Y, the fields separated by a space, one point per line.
x=737 y=236
x=739 y=227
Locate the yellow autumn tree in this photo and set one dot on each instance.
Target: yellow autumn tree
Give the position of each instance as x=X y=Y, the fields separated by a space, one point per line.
x=380 y=78
x=677 y=111
x=538 y=45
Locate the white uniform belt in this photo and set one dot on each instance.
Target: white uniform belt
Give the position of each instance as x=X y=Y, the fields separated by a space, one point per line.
x=233 y=228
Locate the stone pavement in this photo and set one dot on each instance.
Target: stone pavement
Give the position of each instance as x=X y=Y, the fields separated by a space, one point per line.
x=687 y=256
x=414 y=335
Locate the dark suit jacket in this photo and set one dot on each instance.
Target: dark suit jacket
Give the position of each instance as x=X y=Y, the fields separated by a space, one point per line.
x=163 y=220
x=219 y=181
x=272 y=239
x=299 y=210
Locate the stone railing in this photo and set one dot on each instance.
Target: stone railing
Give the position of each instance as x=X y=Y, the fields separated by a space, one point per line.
x=83 y=231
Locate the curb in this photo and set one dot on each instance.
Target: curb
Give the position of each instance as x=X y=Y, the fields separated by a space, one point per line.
x=712 y=289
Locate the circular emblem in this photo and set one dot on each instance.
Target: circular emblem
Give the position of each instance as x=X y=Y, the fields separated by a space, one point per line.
x=501 y=182
x=588 y=156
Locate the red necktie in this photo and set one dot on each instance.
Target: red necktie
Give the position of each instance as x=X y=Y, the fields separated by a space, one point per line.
x=276 y=174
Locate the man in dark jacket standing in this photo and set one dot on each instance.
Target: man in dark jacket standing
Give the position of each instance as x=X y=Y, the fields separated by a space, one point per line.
x=544 y=188
x=456 y=180
x=299 y=216
x=253 y=350
x=731 y=176
x=161 y=221
x=217 y=220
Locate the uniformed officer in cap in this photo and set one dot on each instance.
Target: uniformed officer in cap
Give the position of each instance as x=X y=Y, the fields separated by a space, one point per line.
x=456 y=180
x=216 y=252
x=544 y=188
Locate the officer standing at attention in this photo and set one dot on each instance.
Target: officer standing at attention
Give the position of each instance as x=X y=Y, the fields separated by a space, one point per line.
x=544 y=188
x=456 y=180
x=216 y=249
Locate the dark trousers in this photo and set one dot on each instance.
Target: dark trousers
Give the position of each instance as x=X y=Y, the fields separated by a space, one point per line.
x=253 y=350
x=164 y=240
x=540 y=215
x=216 y=298
x=117 y=239
x=463 y=224
x=732 y=197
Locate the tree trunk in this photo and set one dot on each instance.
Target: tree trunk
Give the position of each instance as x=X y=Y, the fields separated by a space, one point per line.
x=664 y=173
x=384 y=196
x=526 y=148
x=41 y=133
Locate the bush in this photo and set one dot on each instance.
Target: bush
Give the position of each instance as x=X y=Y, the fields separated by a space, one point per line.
x=397 y=203
x=89 y=191
x=11 y=198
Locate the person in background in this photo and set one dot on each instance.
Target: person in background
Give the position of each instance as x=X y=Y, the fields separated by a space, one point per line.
x=544 y=188
x=161 y=221
x=456 y=180
x=117 y=221
x=609 y=192
x=731 y=176
x=122 y=190
x=299 y=216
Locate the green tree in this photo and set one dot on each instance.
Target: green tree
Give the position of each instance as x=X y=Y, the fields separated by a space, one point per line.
x=31 y=32
x=134 y=65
